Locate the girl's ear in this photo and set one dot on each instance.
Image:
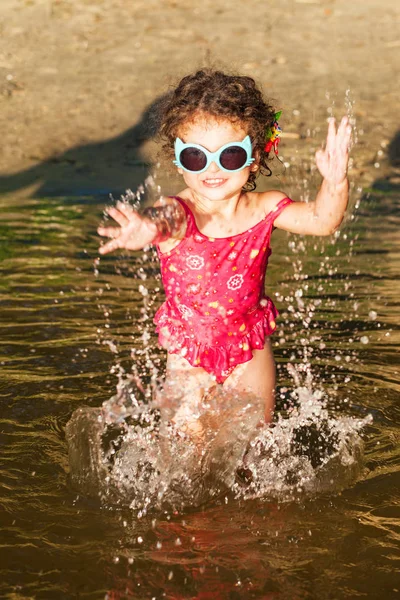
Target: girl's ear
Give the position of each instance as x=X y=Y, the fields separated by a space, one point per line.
x=180 y=171
x=256 y=164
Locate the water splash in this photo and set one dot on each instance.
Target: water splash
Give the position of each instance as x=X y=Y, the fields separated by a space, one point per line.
x=128 y=454
x=310 y=452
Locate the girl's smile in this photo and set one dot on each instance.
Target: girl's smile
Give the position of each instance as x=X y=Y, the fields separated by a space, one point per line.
x=214 y=182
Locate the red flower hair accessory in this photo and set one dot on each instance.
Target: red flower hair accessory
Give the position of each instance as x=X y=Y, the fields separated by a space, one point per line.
x=273 y=134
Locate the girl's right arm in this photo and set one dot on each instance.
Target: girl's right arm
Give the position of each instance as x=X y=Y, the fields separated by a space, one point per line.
x=324 y=215
x=164 y=221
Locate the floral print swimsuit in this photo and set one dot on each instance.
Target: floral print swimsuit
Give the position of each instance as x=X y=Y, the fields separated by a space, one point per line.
x=216 y=311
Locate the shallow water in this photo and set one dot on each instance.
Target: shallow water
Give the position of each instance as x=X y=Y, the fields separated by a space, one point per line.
x=64 y=330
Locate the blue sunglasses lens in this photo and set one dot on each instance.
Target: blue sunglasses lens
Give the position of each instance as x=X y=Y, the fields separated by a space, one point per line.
x=231 y=159
x=193 y=159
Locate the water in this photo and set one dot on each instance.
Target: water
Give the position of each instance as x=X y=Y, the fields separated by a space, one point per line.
x=64 y=330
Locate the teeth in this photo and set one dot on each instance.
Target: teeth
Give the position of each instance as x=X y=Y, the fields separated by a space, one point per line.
x=213 y=180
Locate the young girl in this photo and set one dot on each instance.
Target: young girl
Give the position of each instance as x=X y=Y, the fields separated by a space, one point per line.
x=213 y=238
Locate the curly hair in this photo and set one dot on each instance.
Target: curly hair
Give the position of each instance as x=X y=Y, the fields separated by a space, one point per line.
x=233 y=97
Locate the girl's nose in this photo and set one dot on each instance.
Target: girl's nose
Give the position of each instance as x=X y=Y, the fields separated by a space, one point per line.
x=213 y=168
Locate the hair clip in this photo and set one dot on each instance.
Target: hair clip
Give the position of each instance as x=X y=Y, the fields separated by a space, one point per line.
x=273 y=135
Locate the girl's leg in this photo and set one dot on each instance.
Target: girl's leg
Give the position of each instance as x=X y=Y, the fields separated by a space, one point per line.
x=256 y=377
x=184 y=388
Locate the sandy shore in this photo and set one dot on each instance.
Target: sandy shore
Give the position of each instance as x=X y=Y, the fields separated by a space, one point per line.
x=77 y=77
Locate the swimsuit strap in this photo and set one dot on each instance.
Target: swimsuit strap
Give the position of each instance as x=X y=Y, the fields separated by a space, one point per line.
x=279 y=208
x=191 y=222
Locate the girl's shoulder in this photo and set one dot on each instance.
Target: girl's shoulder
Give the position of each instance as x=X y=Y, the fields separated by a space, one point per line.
x=266 y=201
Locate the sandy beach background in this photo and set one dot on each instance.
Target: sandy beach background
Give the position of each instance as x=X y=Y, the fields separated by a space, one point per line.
x=78 y=78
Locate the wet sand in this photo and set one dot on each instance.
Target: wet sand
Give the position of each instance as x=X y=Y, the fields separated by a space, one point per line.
x=76 y=77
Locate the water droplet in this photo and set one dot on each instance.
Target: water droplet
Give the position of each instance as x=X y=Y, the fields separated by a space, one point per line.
x=364 y=339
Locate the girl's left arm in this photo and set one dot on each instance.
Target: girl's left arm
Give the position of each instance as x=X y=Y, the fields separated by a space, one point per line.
x=324 y=215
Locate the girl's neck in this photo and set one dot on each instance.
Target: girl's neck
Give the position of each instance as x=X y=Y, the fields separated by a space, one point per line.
x=226 y=207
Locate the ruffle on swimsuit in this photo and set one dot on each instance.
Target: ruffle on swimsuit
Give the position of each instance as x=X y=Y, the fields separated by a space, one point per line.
x=216 y=312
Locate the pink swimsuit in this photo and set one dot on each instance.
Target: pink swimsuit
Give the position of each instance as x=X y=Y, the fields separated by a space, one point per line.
x=216 y=312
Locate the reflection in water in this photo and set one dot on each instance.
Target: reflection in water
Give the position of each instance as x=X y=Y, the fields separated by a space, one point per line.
x=57 y=544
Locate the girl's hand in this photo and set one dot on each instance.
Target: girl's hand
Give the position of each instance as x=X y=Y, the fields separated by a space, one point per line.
x=333 y=160
x=135 y=231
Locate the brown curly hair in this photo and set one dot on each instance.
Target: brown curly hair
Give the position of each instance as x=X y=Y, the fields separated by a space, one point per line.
x=220 y=95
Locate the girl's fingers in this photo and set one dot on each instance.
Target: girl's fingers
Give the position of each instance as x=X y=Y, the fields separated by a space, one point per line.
x=125 y=208
x=340 y=138
x=111 y=232
x=130 y=214
x=342 y=126
x=343 y=141
x=118 y=215
x=347 y=137
x=344 y=132
x=109 y=247
x=332 y=161
x=331 y=137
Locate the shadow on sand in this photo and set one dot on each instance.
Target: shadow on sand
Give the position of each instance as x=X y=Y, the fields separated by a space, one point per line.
x=391 y=183
x=100 y=168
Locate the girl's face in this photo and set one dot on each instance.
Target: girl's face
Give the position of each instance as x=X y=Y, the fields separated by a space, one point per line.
x=212 y=134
